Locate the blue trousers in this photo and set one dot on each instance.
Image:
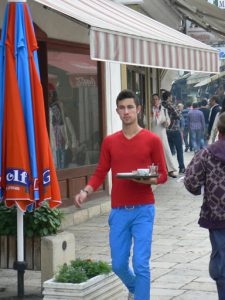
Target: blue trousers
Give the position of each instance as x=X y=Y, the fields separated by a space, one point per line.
x=197 y=138
x=126 y=225
x=174 y=139
x=217 y=260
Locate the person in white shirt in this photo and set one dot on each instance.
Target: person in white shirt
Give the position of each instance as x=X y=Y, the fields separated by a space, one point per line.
x=159 y=122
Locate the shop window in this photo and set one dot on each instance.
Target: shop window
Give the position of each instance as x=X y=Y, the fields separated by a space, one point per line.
x=74 y=124
x=136 y=83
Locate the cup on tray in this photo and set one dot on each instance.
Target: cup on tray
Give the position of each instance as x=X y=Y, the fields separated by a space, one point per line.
x=143 y=172
x=153 y=169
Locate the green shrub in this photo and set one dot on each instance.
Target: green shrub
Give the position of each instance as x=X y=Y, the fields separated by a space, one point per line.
x=40 y=222
x=81 y=270
x=69 y=274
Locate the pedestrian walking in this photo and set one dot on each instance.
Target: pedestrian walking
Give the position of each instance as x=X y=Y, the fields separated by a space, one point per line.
x=186 y=134
x=205 y=109
x=174 y=129
x=214 y=109
x=214 y=130
x=207 y=171
x=132 y=201
x=160 y=120
x=196 y=126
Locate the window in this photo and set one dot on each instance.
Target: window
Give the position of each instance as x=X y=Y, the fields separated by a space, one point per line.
x=73 y=109
x=136 y=83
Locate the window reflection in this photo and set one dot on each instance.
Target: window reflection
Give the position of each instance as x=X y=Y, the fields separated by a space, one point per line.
x=136 y=83
x=73 y=109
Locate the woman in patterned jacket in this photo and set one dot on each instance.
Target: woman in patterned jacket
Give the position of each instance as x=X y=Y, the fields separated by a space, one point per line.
x=206 y=172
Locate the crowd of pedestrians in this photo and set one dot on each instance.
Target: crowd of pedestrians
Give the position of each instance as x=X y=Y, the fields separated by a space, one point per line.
x=200 y=127
x=184 y=127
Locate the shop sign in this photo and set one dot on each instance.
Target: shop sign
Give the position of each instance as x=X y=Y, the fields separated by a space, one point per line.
x=77 y=81
x=219 y=3
x=222 y=52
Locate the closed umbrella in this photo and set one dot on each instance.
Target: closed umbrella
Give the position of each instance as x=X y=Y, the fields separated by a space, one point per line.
x=27 y=173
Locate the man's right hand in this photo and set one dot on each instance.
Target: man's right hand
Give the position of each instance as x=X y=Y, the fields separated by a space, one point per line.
x=80 y=198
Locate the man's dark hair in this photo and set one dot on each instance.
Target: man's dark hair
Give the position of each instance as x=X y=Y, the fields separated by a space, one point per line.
x=195 y=105
x=155 y=94
x=188 y=104
x=124 y=94
x=204 y=102
x=215 y=98
x=221 y=123
x=166 y=95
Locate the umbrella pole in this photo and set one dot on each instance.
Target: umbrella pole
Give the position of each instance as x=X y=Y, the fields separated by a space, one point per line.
x=20 y=265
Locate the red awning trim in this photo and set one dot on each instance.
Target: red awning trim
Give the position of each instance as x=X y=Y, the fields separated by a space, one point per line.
x=134 y=50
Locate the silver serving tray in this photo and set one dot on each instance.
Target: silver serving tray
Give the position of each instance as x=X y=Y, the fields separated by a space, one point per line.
x=135 y=176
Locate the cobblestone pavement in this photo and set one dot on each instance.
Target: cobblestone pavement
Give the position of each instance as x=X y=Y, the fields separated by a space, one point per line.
x=180 y=251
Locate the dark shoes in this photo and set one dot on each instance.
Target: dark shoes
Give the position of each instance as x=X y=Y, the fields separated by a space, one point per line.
x=182 y=171
x=171 y=174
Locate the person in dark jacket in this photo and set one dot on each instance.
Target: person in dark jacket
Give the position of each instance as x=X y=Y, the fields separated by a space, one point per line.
x=214 y=109
x=205 y=109
x=206 y=172
x=174 y=129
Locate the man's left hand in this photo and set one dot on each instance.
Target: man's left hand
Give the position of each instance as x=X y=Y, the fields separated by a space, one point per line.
x=148 y=181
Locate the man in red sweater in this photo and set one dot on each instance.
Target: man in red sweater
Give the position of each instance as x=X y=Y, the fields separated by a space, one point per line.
x=132 y=201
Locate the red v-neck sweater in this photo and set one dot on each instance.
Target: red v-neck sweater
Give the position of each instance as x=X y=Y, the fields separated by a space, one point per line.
x=121 y=154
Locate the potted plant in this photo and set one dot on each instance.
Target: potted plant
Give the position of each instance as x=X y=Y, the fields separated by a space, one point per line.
x=38 y=223
x=84 y=280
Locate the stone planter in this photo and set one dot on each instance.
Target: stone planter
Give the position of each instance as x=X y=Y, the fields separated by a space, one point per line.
x=102 y=287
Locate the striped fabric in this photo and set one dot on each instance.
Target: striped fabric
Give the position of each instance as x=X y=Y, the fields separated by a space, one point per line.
x=108 y=46
x=120 y=34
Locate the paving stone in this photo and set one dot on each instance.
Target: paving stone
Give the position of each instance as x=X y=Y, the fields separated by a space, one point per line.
x=166 y=292
x=162 y=265
x=200 y=286
x=170 y=278
x=196 y=295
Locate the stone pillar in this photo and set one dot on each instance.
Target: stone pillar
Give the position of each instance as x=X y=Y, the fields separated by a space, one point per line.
x=55 y=251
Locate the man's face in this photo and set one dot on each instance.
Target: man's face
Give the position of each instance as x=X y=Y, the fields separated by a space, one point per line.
x=180 y=107
x=211 y=102
x=156 y=100
x=128 y=111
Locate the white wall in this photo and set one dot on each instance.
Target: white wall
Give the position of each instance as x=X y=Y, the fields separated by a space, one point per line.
x=113 y=87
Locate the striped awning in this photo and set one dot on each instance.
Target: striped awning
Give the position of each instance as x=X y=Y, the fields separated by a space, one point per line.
x=120 y=34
